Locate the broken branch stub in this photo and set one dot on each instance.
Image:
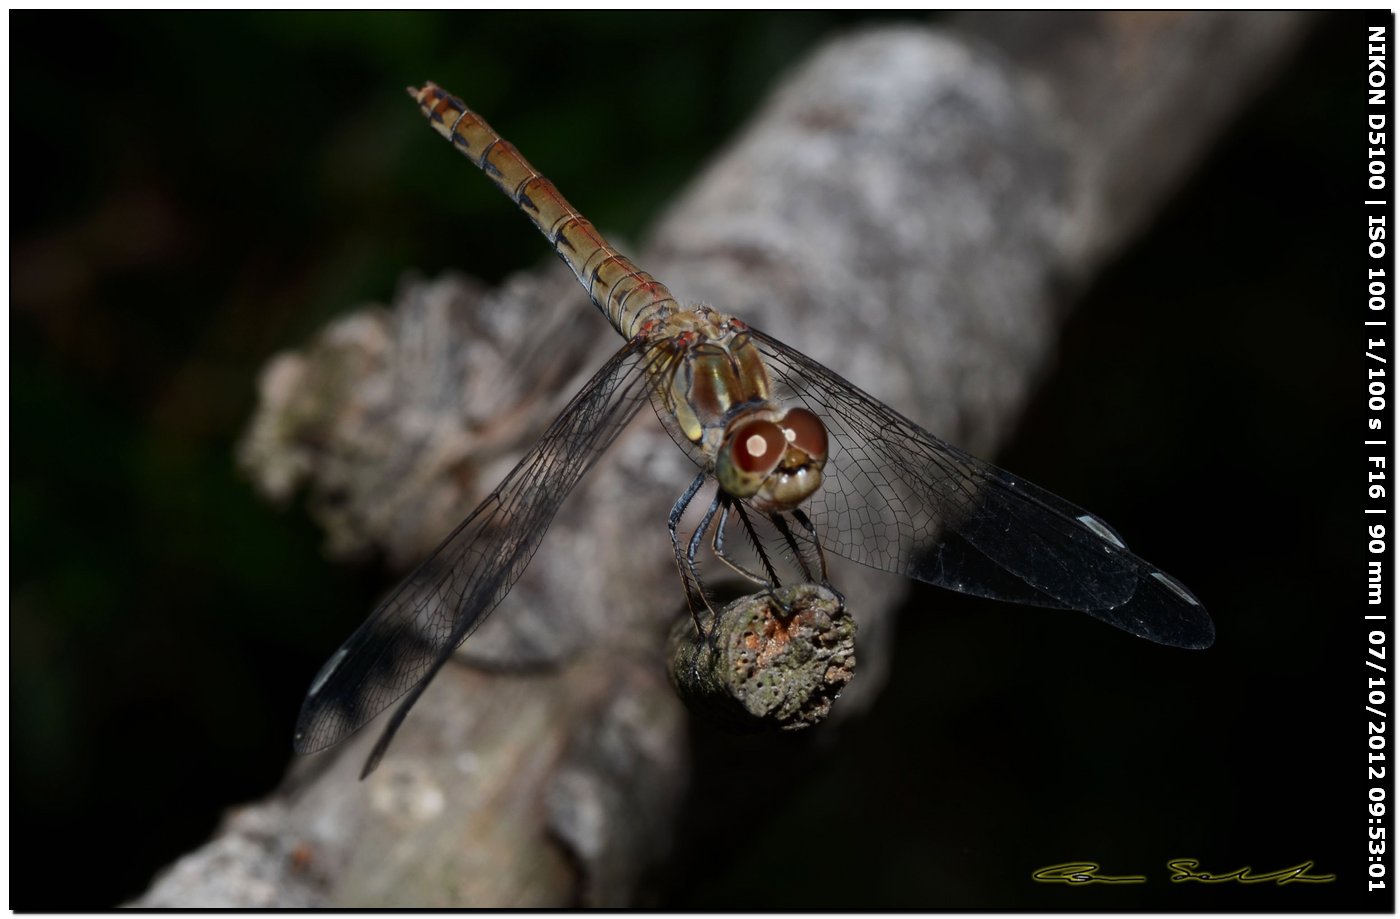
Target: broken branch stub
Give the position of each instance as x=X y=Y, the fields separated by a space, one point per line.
x=769 y=661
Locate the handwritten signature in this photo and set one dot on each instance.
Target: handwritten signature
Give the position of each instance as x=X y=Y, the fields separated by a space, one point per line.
x=1183 y=870
x=1082 y=873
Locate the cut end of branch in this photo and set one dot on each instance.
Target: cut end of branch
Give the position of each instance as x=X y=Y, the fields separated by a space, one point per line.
x=771 y=662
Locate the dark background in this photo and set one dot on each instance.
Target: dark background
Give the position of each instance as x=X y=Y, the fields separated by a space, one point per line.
x=190 y=193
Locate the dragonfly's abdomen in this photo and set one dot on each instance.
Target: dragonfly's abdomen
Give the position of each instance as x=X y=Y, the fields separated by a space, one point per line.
x=627 y=295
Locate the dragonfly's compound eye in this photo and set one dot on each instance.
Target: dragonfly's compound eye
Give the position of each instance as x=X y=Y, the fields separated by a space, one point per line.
x=805 y=431
x=749 y=455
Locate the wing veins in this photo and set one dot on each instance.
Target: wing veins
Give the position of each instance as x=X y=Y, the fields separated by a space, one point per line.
x=415 y=629
x=903 y=500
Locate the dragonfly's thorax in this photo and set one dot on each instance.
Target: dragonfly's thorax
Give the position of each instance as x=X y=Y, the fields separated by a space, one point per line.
x=721 y=396
x=718 y=375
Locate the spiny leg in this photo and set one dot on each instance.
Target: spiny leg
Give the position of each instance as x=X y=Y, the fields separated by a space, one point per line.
x=771 y=583
x=717 y=546
x=772 y=580
x=806 y=523
x=685 y=564
x=693 y=549
x=786 y=531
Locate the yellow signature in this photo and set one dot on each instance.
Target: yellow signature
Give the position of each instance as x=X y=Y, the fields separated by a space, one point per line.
x=1082 y=873
x=1182 y=870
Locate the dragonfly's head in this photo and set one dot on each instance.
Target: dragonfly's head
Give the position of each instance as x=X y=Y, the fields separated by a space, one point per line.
x=775 y=461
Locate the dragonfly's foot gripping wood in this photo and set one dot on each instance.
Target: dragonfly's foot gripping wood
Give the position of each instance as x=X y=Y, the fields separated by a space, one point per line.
x=766 y=663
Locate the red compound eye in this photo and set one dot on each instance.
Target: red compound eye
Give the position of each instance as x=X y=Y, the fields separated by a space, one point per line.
x=806 y=432
x=757 y=447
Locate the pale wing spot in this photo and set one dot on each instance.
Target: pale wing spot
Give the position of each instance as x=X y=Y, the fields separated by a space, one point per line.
x=1101 y=529
x=1176 y=587
x=326 y=671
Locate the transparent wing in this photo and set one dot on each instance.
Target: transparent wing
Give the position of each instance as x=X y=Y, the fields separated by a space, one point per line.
x=898 y=498
x=414 y=631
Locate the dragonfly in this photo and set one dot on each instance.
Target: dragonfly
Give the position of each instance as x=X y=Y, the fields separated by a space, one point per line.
x=787 y=440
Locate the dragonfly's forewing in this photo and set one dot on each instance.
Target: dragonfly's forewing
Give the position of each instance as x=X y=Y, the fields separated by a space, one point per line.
x=414 y=631
x=896 y=497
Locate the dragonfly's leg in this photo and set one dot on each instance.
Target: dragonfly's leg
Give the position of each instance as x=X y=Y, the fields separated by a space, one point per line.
x=806 y=523
x=780 y=524
x=685 y=562
x=717 y=546
x=771 y=582
x=772 y=579
x=693 y=549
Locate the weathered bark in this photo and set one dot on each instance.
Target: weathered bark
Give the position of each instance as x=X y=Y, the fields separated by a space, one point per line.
x=766 y=662
x=910 y=207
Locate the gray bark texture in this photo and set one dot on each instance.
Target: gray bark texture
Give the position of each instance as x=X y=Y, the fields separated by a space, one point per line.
x=766 y=662
x=914 y=207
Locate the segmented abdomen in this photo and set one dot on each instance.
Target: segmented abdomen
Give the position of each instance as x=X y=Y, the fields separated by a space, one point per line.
x=627 y=295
